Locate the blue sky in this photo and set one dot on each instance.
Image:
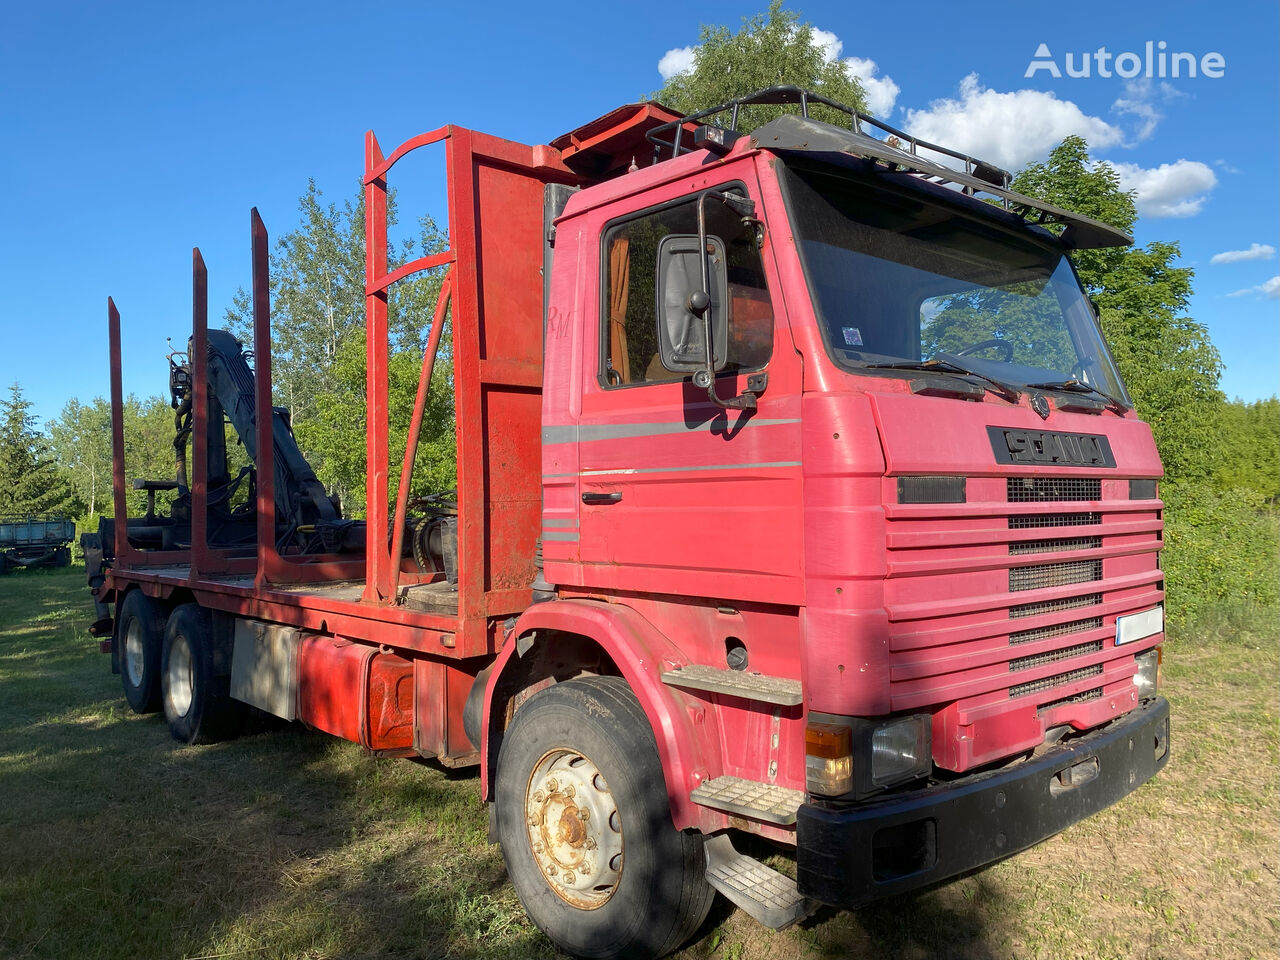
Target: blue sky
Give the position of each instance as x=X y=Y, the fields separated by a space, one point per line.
x=134 y=131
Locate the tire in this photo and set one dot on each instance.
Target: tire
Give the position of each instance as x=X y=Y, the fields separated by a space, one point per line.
x=196 y=695
x=591 y=735
x=139 y=640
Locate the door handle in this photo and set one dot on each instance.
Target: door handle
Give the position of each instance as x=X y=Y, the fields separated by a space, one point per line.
x=613 y=497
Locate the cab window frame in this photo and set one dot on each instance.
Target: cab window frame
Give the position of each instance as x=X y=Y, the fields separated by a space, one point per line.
x=602 y=325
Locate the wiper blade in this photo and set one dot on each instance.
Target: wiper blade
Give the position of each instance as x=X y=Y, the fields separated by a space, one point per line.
x=1079 y=386
x=946 y=364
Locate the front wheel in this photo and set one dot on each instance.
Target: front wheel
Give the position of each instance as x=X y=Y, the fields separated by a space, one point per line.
x=585 y=825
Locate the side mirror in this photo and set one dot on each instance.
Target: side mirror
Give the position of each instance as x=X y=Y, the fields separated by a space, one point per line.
x=685 y=306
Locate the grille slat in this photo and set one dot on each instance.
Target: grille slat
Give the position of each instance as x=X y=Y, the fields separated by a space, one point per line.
x=1036 y=520
x=1054 y=575
x=1054 y=606
x=1054 y=546
x=1048 y=683
x=1045 y=489
x=1054 y=630
x=1053 y=656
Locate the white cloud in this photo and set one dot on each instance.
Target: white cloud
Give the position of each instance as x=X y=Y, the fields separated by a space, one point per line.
x=882 y=92
x=676 y=60
x=1270 y=289
x=1140 y=101
x=1258 y=251
x=1010 y=129
x=1177 y=189
x=1226 y=167
x=827 y=42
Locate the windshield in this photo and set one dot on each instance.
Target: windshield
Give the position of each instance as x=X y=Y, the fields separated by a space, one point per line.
x=898 y=280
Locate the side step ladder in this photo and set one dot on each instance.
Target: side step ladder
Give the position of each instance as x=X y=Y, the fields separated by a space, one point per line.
x=767 y=895
x=750 y=798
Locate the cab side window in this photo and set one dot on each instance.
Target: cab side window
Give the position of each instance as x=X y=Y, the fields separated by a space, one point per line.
x=630 y=332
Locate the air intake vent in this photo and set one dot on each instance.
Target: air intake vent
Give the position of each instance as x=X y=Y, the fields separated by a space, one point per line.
x=1142 y=490
x=1044 y=489
x=1053 y=656
x=931 y=490
x=1054 y=606
x=1055 y=630
x=1054 y=575
x=1034 y=520
x=1048 y=683
x=1055 y=546
x=1083 y=696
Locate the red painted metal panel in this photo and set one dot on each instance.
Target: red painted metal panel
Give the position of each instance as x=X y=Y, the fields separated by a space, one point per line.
x=441 y=691
x=332 y=678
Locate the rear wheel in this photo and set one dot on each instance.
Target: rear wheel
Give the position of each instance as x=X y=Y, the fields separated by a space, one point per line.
x=196 y=694
x=139 y=640
x=585 y=825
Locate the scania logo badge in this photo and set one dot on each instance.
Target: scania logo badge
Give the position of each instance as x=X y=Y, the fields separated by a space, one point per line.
x=1013 y=445
x=1040 y=405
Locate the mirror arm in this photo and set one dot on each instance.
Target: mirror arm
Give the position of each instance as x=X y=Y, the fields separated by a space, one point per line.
x=706 y=377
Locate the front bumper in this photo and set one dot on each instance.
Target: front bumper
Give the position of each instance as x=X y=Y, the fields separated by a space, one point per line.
x=849 y=856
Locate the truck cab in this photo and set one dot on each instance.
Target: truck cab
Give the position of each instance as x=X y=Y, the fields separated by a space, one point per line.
x=899 y=532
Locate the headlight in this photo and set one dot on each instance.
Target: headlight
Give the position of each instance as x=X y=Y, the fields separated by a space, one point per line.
x=862 y=757
x=1147 y=677
x=900 y=751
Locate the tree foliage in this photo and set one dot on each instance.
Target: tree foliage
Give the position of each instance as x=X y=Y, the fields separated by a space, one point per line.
x=32 y=483
x=80 y=439
x=771 y=48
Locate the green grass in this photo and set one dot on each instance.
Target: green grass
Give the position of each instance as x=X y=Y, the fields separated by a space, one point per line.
x=115 y=841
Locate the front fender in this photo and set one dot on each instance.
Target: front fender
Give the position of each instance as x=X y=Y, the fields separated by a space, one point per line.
x=689 y=751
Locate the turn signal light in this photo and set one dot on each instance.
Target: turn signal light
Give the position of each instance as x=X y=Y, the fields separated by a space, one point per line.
x=828 y=762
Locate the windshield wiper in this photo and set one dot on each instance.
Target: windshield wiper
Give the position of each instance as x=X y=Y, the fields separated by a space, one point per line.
x=1079 y=386
x=945 y=363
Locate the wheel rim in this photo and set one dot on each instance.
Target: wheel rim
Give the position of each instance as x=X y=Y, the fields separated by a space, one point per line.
x=178 y=681
x=574 y=828
x=134 y=658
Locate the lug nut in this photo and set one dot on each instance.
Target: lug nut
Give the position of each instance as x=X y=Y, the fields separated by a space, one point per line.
x=568 y=790
x=552 y=785
x=584 y=813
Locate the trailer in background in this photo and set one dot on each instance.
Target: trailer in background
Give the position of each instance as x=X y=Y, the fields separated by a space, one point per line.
x=35 y=542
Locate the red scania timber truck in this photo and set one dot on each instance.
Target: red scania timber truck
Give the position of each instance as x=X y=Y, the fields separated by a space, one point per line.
x=798 y=495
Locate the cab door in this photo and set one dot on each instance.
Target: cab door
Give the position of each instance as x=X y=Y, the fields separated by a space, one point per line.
x=678 y=495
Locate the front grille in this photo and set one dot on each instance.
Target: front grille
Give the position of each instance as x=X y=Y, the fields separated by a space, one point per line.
x=1054 y=520
x=1053 y=656
x=1044 y=489
x=931 y=489
x=1048 y=683
x=1055 y=630
x=1055 y=546
x=1054 y=575
x=1054 y=606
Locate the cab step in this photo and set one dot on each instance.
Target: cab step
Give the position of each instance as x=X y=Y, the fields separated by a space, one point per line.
x=736 y=683
x=750 y=798
x=767 y=895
